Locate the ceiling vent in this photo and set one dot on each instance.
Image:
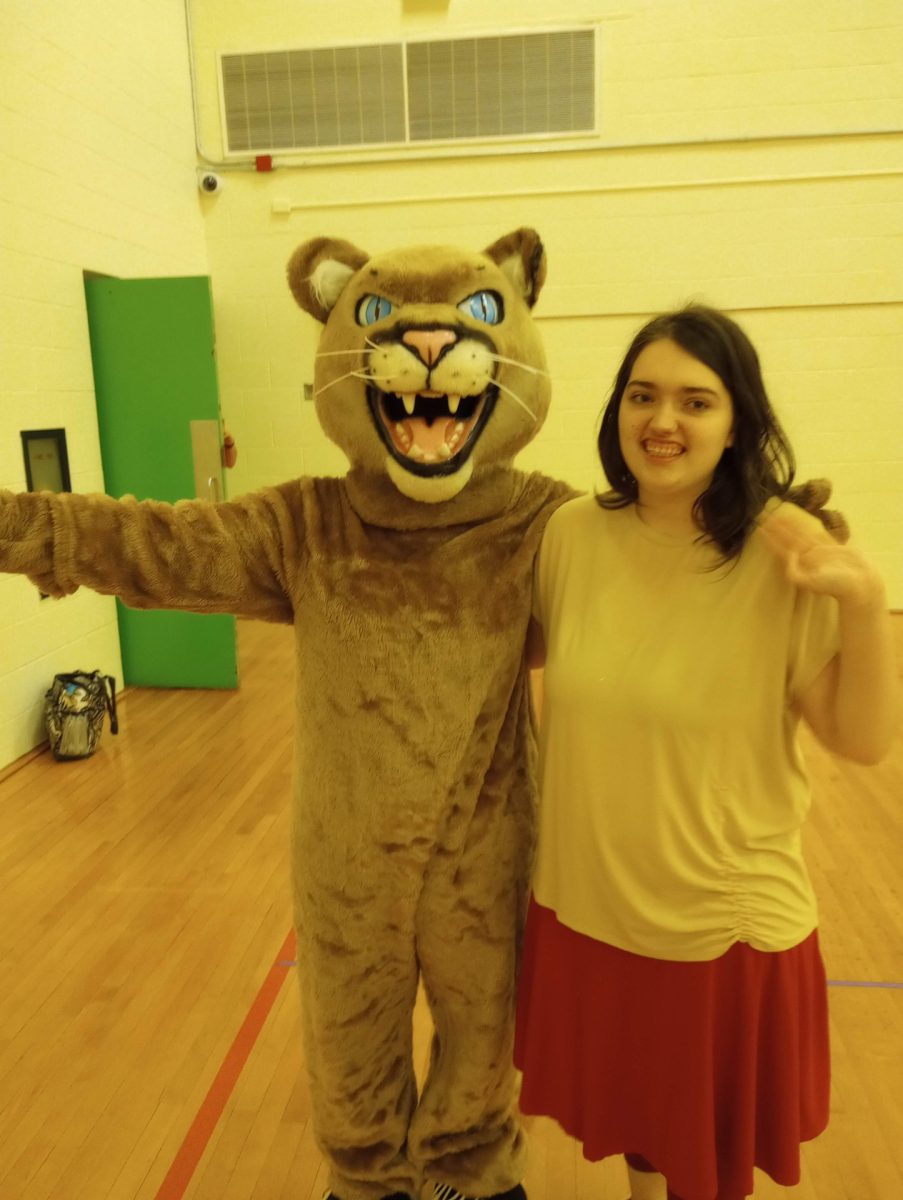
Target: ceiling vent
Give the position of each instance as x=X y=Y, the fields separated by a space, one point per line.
x=509 y=86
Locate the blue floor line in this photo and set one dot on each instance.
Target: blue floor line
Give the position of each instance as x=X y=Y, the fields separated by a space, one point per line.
x=861 y=983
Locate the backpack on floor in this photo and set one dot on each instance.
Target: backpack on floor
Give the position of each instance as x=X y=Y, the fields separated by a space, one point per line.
x=74 y=708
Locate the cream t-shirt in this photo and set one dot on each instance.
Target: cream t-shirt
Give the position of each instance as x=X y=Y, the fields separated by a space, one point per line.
x=673 y=789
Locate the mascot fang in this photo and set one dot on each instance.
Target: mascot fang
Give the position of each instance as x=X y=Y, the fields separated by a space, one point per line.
x=408 y=583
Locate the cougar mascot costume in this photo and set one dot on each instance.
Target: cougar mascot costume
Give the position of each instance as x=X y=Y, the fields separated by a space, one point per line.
x=408 y=584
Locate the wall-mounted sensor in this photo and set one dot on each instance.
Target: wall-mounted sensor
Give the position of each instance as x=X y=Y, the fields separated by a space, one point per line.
x=210 y=183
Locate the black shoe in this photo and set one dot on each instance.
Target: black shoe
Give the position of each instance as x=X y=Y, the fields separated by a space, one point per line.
x=444 y=1191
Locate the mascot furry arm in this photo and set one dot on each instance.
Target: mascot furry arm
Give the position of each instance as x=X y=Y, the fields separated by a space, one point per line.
x=408 y=582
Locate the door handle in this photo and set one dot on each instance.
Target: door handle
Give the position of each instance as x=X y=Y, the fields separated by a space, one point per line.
x=206 y=460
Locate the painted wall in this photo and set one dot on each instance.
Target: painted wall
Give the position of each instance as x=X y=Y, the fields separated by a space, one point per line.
x=748 y=160
x=97 y=172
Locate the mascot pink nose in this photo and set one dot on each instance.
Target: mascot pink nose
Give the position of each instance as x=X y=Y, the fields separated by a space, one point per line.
x=429 y=343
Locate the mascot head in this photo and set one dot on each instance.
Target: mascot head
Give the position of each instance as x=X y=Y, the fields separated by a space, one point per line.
x=430 y=369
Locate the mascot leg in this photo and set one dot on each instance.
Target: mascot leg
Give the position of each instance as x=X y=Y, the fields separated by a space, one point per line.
x=465 y=1134
x=358 y=988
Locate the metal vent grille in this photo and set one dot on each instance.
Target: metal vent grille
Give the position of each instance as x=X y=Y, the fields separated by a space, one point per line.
x=502 y=86
x=415 y=92
x=298 y=99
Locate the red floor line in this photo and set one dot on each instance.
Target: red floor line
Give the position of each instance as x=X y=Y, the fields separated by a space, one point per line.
x=192 y=1149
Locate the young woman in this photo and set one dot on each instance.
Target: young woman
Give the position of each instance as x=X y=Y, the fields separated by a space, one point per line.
x=673 y=1002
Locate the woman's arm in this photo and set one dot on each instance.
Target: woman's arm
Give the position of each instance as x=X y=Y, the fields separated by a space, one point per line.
x=853 y=705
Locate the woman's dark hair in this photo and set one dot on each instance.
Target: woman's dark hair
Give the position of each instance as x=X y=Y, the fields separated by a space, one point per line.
x=759 y=463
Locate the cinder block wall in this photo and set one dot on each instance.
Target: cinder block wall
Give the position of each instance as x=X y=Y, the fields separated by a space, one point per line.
x=97 y=172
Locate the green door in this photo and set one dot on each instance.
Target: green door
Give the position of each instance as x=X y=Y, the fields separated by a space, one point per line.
x=152 y=346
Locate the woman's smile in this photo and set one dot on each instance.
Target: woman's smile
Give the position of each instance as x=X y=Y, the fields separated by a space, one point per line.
x=662 y=450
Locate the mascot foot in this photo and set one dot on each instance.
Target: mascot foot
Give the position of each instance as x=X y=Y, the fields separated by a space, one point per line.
x=444 y=1191
x=394 y=1196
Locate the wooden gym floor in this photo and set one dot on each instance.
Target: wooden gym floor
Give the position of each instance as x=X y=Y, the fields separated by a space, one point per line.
x=149 y=1045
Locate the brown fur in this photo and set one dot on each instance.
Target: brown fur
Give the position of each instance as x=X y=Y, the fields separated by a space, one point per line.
x=813 y=495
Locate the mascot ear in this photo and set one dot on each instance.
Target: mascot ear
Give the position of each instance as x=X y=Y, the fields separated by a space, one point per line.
x=522 y=257
x=318 y=272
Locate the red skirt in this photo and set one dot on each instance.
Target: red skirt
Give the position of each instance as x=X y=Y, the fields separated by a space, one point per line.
x=705 y=1069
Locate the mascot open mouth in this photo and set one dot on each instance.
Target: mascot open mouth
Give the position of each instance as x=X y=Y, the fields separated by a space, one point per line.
x=430 y=433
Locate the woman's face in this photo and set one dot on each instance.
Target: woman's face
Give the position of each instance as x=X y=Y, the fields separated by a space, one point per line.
x=675 y=420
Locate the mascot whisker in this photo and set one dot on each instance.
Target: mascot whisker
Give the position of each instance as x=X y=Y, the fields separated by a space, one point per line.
x=514 y=396
x=340 y=379
x=523 y=366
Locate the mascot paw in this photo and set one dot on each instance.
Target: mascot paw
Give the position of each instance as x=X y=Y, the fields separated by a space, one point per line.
x=394 y=1196
x=444 y=1191
x=813 y=495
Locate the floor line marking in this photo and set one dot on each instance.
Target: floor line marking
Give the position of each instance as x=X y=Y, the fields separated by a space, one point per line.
x=201 y=1130
x=867 y=983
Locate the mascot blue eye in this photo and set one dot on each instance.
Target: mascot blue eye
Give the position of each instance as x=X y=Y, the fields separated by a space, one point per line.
x=372 y=308
x=485 y=306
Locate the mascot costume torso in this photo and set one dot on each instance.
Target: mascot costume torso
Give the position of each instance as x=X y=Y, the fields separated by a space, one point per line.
x=408 y=582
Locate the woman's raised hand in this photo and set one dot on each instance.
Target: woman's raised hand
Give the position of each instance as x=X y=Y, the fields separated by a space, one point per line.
x=816 y=562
